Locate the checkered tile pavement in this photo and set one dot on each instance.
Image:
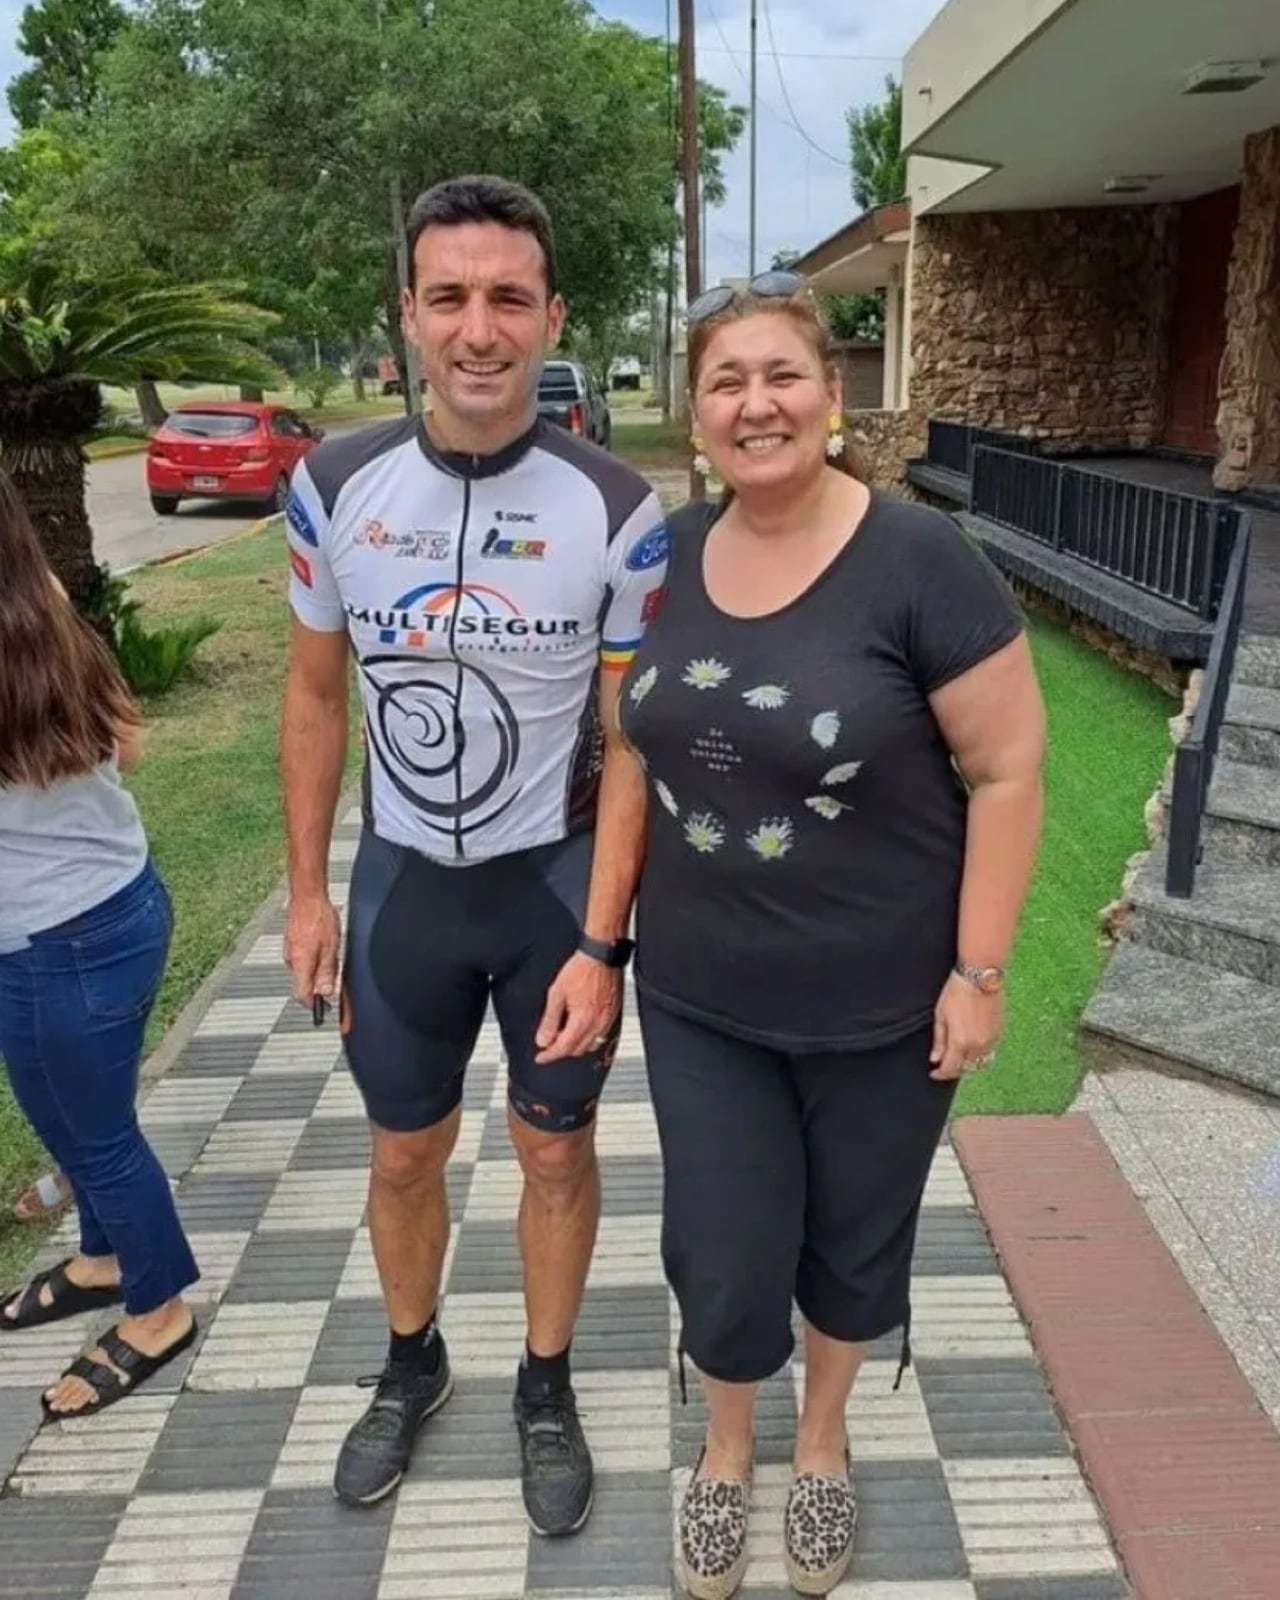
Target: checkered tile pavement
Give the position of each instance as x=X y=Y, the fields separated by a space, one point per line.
x=213 y=1484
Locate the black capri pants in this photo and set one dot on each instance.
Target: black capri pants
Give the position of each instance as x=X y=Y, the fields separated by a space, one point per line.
x=788 y=1177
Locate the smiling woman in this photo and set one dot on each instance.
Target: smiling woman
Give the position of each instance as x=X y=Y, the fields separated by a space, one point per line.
x=838 y=719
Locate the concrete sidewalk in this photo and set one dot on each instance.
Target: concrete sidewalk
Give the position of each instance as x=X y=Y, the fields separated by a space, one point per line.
x=214 y=1484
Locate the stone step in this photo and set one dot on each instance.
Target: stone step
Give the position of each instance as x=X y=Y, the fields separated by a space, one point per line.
x=1160 y=1011
x=1251 y=731
x=1258 y=660
x=1242 y=818
x=1232 y=920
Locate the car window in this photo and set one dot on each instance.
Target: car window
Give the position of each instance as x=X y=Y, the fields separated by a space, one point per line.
x=558 y=382
x=211 y=424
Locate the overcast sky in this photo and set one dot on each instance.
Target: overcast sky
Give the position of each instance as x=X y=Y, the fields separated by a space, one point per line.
x=11 y=62
x=831 y=54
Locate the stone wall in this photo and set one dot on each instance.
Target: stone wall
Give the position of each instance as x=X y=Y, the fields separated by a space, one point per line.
x=1249 y=396
x=884 y=442
x=1049 y=321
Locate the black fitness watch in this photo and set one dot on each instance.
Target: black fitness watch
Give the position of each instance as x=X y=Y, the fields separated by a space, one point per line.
x=614 y=953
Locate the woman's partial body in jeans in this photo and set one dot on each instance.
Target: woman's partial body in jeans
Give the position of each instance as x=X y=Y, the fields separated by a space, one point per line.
x=73 y=1011
x=85 y=924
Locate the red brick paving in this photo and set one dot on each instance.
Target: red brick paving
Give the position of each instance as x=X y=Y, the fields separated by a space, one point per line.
x=1185 y=1463
x=1186 y=1566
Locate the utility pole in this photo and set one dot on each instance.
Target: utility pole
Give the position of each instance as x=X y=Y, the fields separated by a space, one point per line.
x=751 y=230
x=669 y=294
x=412 y=372
x=689 y=173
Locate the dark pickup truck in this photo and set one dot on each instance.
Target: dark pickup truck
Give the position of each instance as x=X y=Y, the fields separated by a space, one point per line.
x=570 y=397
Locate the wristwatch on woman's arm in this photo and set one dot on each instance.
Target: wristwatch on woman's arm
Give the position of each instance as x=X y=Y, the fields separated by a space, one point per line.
x=986 y=980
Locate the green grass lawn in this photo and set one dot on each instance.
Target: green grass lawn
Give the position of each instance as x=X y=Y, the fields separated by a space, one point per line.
x=208 y=791
x=1108 y=742
x=341 y=398
x=649 y=443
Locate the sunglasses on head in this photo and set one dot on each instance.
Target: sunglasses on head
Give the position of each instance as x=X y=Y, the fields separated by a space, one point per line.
x=778 y=284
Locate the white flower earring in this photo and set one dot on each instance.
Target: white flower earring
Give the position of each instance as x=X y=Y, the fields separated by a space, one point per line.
x=701 y=465
x=835 y=437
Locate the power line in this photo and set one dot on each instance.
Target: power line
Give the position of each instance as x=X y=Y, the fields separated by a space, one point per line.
x=803 y=55
x=791 y=121
x=840 y=161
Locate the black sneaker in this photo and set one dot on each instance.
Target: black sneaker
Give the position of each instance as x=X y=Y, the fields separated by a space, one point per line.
x=556 y=1474
x=375 y=1454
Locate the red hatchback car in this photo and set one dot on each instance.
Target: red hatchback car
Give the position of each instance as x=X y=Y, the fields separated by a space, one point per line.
x=227 y=450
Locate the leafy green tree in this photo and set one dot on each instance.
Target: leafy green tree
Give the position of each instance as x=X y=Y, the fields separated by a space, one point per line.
x=38 y=173
x=877 y=165
x=287 y=118
x=60 y=339
x=65 y=41
x=849 y=316
x=857 y=316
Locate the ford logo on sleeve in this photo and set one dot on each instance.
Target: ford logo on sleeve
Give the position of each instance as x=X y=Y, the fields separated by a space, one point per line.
x=298 y=518
x=649 y=551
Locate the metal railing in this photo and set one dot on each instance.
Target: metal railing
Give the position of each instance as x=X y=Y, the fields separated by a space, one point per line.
x=952 y=444
x=1021 y=492
x=949 y=446
x=1174 y=546
x=1194 y=758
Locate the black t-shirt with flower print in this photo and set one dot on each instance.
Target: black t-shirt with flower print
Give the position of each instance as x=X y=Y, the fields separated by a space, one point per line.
x=806 y=821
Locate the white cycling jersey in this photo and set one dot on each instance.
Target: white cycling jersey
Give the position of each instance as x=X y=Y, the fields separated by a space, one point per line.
x=482 y=594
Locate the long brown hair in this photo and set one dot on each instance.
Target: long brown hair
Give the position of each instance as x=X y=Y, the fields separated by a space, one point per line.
x=802 y=310
x=62 y=698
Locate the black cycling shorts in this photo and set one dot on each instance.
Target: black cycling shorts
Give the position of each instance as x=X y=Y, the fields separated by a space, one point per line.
x=429 y=947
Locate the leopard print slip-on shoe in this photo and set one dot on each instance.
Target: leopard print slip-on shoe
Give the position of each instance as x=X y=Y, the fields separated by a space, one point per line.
x=818 y=1528
x=713 y=1536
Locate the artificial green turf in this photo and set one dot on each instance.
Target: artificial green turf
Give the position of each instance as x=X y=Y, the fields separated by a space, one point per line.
x=1108 y=743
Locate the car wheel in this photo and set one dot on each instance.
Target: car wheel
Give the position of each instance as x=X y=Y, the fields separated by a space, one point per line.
x=164 y=505
x=280 y=494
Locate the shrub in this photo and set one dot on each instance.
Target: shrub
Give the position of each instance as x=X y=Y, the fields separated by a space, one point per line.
x=108 y=605
x=317 y=383
x=153 y=660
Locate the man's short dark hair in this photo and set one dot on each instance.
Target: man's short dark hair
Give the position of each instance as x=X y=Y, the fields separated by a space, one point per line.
x=482 y=199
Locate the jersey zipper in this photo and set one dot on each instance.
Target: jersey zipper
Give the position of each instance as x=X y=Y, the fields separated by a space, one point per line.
x=459 y=740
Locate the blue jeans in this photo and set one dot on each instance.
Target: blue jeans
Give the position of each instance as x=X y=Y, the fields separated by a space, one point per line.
x=73 y=1010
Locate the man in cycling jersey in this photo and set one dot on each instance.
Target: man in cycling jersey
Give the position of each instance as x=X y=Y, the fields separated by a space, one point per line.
x=490 y=574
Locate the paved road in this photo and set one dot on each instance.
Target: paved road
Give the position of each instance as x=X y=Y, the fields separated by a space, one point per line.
x=128 y=533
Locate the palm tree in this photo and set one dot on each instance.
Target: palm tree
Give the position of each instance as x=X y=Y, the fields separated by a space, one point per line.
x=62 y=337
